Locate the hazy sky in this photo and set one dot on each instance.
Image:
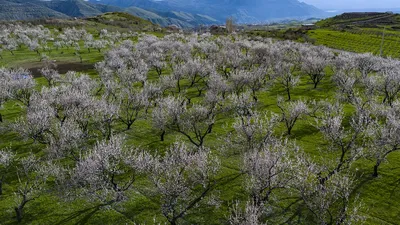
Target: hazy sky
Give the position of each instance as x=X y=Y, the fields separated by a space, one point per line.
x=353 y=4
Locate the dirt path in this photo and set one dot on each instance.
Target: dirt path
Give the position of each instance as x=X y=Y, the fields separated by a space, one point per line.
x=62 y=67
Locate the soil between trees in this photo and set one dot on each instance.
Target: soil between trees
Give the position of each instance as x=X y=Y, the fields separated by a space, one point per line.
x=62 y=67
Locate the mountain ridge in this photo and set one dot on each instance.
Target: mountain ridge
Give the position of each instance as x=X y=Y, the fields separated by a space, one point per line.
x=63 y=9
x=185 y=14
x=244 y=11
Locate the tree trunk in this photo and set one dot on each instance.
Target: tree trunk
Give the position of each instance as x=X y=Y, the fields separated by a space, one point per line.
x=210 y=130
x=159 y=72
x=128 y=126
x=162 y=135
x=384 y=100
x=390 y=101
x=1 y=187
x=19 y=213
x=378 y=163
x=289 y=130
x=109 y=131
x=375 y=174
x=179 y=86
x=255 y=98
x=1 y=118
x=288 y=94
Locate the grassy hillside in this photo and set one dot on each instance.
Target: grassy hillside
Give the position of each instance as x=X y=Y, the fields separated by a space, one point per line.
x=359 y=41
x=124 y=20
x=369 y=19
x=113 y=21
x=377 y=33
x=121 y=17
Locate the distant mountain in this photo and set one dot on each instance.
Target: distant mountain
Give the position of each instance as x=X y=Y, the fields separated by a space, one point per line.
x=77 y=8
x=25 y=11
x=35 y=9
x=244 y=11
x=184 y=13
x=162 y=18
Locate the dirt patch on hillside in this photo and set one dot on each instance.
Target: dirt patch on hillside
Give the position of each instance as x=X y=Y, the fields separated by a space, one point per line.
x=62 y=68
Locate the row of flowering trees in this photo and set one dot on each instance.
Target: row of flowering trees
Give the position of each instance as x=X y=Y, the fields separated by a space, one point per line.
x=197 y=88
x=14 y=37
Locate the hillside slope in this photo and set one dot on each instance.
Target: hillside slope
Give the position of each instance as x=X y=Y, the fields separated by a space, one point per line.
x=123 y=20
x=182 y=19
x=26 y=11
x=77 y=8
x=361 y=19
x=37 y=9
x=244 y=11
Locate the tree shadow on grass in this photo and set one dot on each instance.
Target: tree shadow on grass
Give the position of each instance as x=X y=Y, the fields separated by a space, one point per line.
x=228 y=179
x=143 y=207
x=305 y=131
x=396 y=186
x=86 y=214
x=148 y=205
x=363 y=180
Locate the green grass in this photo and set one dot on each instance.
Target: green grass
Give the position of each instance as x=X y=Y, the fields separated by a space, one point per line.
x=359 y=32
x=360 y=41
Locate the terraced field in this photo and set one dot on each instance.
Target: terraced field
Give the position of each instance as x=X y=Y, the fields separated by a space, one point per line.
x=359 y=41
